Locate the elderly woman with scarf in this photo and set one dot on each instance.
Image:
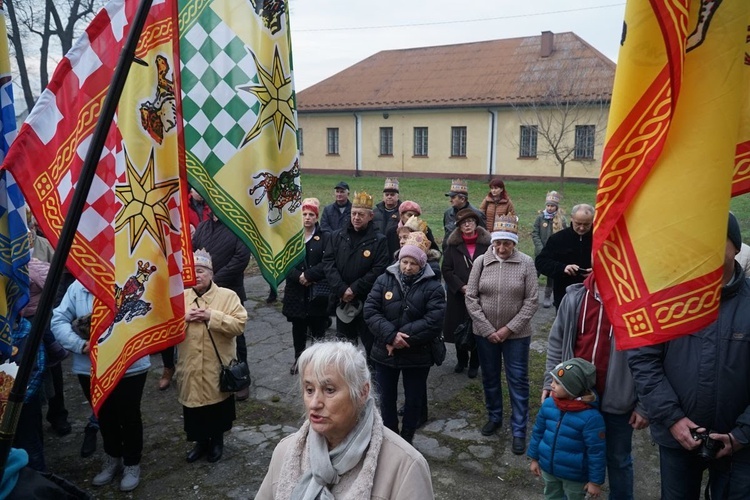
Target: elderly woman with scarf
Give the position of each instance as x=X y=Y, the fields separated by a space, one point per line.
x=501 y=298
x=404 y=312
x=214 y=317
x=343 y=450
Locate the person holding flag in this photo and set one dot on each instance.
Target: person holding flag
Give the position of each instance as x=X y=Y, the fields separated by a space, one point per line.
x=696 y=392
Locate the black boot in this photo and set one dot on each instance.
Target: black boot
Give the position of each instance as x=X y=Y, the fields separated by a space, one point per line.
x=200 y=449
x=408 y=434
x=216 y=448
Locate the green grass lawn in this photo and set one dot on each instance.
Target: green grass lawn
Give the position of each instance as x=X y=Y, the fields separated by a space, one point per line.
x=528 y=198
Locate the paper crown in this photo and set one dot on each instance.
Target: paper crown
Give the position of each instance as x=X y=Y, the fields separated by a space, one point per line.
x=362 y=200
x=418 y=239
x=203 y=259
x=416 y=224
x=459 y=186
x=391 y=184
x=311 y=204
x=553 y=198
x=506 y=223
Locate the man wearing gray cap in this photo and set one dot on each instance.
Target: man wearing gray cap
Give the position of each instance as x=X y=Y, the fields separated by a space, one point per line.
x=696 y=391
x=337 y=214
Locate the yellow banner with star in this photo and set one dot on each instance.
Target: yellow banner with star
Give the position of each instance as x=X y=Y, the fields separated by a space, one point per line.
x=149 y=245
x=241 y=124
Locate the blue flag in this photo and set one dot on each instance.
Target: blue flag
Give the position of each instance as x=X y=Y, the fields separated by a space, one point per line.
x=14 y=241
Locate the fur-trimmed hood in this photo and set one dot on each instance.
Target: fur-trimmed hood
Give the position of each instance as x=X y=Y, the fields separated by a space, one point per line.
x=455 y=238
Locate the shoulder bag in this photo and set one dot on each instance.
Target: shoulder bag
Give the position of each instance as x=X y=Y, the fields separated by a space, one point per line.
x=438 y=350
x=233 y=377
x=464 y=336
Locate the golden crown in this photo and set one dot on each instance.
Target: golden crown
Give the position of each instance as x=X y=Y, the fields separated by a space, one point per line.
x=391 y=184
x=419 y=240
x=553 y=197
x=507 y=223
x=362 y=200
x=459 y=186
x=416 y=224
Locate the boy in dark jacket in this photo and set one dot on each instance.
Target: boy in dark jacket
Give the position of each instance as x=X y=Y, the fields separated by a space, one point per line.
x=567 y=445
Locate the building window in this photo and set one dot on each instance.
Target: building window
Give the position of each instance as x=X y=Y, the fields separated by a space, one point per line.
x=386 y=141
x=528 y=141
x=300 y=142
x=333 y=141
x=420 y=141
x=458 y=141
x=584 y=146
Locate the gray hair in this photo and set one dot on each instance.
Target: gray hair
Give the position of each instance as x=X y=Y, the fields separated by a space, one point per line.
x=346 y=359
x=588 y=209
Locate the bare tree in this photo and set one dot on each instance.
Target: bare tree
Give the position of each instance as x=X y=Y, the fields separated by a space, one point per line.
x=560 y=106
x=49 y=27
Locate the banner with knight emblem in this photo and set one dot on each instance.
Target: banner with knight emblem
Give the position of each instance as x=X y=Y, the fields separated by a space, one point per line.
x=241 y=124
x=677 y=148
x=129 y=248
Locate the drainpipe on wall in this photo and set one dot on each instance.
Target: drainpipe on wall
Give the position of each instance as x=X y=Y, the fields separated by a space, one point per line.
x=357 y=144
x=492 y=140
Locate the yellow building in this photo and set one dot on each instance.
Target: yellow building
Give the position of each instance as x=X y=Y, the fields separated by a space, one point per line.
x=515 y=108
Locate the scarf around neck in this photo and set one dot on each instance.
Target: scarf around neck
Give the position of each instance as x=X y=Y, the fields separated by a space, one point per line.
x=327 y=466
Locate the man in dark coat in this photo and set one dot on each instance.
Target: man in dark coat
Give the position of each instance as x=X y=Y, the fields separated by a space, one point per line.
x=459 y=199
x=354 y=257
x=230 y=257
x=566 y=258
x=701 y=383
x=336 y=215
x=386 y=213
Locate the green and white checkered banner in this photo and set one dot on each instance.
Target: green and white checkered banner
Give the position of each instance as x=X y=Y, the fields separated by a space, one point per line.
x=240 y=123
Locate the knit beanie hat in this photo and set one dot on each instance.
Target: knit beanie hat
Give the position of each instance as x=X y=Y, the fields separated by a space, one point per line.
x=415 y=247
x=576 y=376
x=733 y=232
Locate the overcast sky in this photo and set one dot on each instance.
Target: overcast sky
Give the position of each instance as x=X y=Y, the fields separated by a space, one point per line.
x=331 y=35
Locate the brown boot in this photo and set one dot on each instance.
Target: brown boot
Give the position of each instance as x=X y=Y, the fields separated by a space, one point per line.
x=166 y=379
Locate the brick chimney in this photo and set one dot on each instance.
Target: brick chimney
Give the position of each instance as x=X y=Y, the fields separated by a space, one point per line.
x=548 y=43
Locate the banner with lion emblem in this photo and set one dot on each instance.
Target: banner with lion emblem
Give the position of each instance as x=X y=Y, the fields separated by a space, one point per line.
x=241 y=123
x=678 y=145
x=129 y=246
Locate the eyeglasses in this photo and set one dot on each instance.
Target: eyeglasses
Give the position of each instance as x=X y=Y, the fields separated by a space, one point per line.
x=467 y=222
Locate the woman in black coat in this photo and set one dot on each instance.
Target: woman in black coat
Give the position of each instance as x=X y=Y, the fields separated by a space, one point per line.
x=467 y=242
x=306 y=293
x=404 y=311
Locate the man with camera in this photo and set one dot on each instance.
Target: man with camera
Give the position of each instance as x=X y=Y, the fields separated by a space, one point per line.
x=696 y=391
x=566 y=258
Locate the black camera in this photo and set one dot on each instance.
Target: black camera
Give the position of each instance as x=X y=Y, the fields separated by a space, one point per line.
x=709 y=447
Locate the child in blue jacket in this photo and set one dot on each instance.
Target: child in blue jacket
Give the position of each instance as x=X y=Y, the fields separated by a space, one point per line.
x=567 y=445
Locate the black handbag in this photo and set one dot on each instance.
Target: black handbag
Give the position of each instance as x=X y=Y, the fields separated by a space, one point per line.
x=438 y=350
x=463 y=337
x=321 y=289
x=233 y=377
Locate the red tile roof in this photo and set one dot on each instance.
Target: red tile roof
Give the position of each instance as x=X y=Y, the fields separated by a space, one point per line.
x=492 y=73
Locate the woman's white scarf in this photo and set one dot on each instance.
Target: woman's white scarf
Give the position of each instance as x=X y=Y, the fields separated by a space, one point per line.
x=327 y=467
